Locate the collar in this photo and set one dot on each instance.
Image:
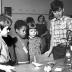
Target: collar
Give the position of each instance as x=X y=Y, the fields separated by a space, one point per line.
x=62 y=18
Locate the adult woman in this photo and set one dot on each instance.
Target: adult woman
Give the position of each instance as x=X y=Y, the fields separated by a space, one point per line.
x=43 y=33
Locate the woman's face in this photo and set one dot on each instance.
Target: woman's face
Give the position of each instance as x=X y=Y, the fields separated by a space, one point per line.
x=41 y=19
x=5 y=31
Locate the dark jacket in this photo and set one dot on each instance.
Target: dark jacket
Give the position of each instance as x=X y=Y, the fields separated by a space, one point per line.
x=11 y=45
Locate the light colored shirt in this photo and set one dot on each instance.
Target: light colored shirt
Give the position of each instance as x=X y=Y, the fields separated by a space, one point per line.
x=4 y=56
x=58 y=30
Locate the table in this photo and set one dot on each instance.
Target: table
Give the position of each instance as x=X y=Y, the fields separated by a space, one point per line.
x=28 y=68
x=32 y=68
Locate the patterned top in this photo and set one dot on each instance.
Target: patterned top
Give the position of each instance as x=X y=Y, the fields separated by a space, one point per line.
x=59 y=29
x=34 y=46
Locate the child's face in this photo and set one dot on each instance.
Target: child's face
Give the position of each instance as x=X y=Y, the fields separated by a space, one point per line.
x=22 y=31
x=58 y=14
x=4 y=31
x=32 y=32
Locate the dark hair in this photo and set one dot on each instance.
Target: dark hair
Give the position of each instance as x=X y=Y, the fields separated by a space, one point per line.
x=51 y=15
x=1 y=27
x=56 y=4
x=30 y=20
x=5 y=18
x=41 y=16
x=19 y=24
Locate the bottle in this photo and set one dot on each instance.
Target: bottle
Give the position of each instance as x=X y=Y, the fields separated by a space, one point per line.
x=71 y=55
x=71 y=47
x=35 y=59
x=68 y=58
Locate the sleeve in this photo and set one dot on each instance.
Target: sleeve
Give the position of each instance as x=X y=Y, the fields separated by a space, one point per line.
x=2 y=57
x=69 y=24
x=50 y=27
x=0 y=48
x=52 y=35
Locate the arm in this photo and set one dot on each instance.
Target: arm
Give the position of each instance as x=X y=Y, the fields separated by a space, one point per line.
x=51 y=47
x=69 y=24
x=51 y=41
x=2 y=56
x=44 y=34
x=69 y=28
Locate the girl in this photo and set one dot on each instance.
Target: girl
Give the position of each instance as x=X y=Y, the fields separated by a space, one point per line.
x=34 y=43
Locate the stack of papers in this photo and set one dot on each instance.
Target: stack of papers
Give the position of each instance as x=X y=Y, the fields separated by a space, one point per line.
x=7 y=68
x=36 y=64
x=23 y=62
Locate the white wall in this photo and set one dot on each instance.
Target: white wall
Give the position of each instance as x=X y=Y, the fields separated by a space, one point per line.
x=21 y=9
x=28 y=6
x=24 y=8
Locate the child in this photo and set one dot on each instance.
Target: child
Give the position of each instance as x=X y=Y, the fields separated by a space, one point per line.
x=30 y=20
x=34 y=43
x=60 y=25
x=21 y=44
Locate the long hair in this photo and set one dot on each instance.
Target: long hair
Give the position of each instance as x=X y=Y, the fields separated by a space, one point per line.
x=41 y=16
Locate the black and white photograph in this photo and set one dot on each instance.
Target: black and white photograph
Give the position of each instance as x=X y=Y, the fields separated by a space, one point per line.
x=35 y=36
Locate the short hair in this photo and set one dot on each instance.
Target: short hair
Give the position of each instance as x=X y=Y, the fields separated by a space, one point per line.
x=1 y=27
x=5 y=18
x=19 y=23
x=30 y=20
x=41 y=16
x=56 y=4
x=51 y=15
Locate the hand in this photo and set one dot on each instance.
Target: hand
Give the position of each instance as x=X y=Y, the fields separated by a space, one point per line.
x=48 y=53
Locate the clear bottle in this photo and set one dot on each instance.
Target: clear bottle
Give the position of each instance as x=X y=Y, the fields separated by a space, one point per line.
x=68 y=59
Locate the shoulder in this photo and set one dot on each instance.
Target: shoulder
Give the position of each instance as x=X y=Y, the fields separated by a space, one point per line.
x=39 y=39
x=53 y=20
x=26 y=40
x=14 y=39
x=67 y=18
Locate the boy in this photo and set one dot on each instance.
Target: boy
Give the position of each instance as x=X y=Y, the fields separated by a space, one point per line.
x=60 y=24
x=21 y=44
